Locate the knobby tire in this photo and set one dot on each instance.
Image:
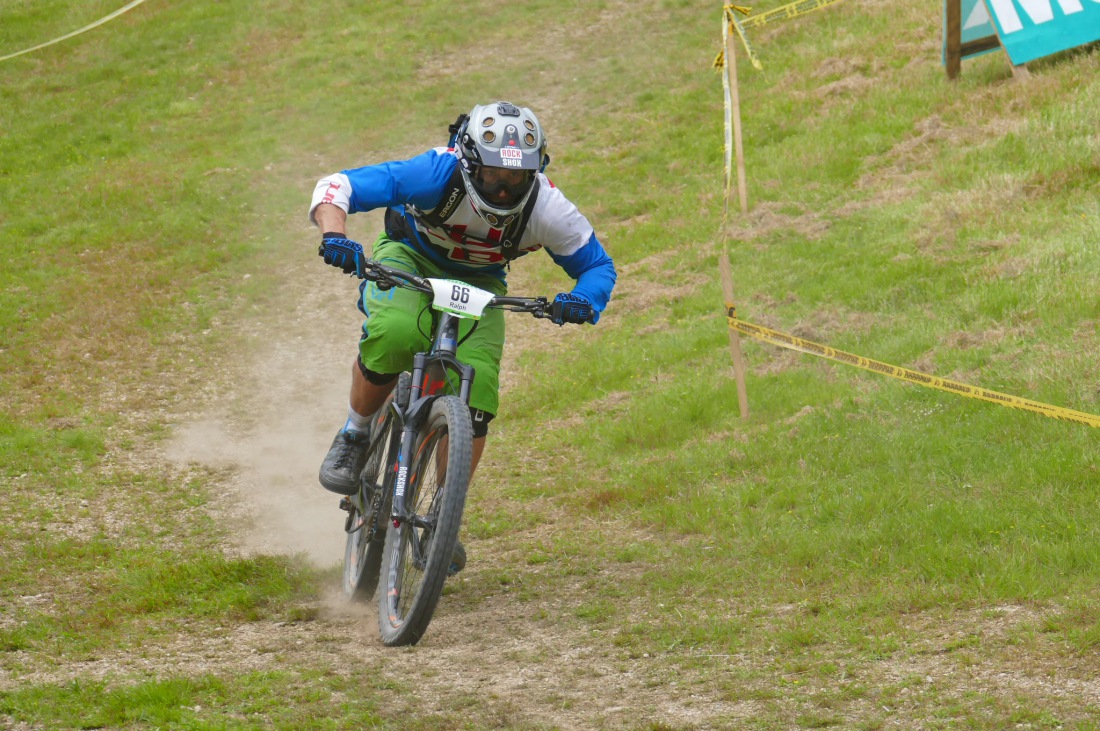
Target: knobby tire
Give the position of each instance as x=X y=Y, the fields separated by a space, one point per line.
x=417 y=558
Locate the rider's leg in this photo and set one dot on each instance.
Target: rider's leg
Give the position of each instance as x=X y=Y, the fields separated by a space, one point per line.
x=482 y=349
x=346 y=457
x=458 y=558
x=366 y=397
x=479 y=447
x=391 y=334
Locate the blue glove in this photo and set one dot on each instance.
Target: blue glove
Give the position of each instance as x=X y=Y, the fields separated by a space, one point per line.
x=342 y=253
x=570 y=308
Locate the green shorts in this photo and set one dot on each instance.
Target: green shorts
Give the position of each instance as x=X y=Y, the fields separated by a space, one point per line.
x=399 y=320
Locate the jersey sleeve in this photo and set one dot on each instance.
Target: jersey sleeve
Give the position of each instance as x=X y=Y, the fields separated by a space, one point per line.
x=593 y=270
x=568 y=237
x=419 y=180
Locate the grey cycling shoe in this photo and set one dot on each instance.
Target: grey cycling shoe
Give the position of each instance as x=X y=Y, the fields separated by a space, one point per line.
x=343 y=463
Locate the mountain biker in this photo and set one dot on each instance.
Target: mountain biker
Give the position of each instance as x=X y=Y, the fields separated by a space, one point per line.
x=459 y=212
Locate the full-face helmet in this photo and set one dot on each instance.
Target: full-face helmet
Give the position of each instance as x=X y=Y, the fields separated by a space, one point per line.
x=501 y=148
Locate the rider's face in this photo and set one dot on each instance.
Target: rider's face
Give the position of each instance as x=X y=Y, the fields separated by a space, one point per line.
x=502 y=186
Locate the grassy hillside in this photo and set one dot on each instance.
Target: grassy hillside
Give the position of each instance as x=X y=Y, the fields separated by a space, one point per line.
x=860 y=553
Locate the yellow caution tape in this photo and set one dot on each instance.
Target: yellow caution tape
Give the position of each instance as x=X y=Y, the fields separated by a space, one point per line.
x=904 y=374
x=67 y=36
x=792 y=10
x=733 y=22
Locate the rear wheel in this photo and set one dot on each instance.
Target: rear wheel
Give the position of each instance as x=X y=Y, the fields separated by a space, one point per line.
x=362 y=559
x=419 y=550
x=370 y=508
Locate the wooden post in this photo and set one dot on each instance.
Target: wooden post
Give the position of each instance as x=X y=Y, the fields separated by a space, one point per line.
x=1019 y=72
x=954 y=49
x=735 y=104
x=954 y=38
x=735 y=338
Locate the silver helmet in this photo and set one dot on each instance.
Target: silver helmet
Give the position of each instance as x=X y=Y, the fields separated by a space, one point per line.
x=501 y=148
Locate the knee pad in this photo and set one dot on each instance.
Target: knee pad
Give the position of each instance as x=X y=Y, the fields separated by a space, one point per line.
x=481 y=421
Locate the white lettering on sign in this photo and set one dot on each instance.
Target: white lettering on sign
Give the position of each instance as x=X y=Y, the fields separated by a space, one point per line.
x=1040 y=11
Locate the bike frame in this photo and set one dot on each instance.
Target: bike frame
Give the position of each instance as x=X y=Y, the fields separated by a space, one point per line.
x=436 y=374
x=440 y=360
x=432 y=370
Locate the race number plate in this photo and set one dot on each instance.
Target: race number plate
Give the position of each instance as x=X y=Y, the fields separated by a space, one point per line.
x=459 y=298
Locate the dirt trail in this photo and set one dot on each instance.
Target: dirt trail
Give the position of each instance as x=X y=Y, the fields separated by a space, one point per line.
x=266 y=424
x=271 y=415
x=275 y=414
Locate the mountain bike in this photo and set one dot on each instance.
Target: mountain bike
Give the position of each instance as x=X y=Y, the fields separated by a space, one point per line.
x=403 y=522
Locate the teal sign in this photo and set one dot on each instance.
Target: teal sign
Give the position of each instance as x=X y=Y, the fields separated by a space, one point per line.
x=975 y=21
x=975 y=25
x=1031 y=29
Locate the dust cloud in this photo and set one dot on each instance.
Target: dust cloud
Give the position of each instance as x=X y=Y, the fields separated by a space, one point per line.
x=272 y=414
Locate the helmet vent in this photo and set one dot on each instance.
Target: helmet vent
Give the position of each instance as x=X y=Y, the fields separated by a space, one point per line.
x=529 y=138
x=529 y=124
x=488 y=122
x=488 y=135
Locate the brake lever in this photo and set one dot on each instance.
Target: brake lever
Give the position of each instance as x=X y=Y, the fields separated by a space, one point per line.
x=381 y=280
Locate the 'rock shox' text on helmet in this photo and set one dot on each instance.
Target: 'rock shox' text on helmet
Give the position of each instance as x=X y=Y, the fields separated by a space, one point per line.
x=501 y=148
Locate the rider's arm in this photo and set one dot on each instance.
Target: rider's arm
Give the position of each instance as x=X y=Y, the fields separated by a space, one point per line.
x=419 y=181
x=593 y=271
x=572 y=244
x=331 y=218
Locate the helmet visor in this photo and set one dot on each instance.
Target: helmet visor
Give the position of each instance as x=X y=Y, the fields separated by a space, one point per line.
x=502 y=187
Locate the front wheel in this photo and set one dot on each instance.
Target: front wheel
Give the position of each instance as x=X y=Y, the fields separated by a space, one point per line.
x=419 y=550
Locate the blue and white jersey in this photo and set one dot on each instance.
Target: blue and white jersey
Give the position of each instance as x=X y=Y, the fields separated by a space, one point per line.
x=464 y=242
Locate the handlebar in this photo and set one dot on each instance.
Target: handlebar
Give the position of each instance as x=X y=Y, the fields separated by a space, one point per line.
x=390 y=277
x=386 y=277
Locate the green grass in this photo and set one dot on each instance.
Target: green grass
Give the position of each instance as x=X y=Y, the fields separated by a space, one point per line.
x=251 y=701
x=148 y=166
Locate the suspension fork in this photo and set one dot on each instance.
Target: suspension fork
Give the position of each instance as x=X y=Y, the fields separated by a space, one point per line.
x=430 y=376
